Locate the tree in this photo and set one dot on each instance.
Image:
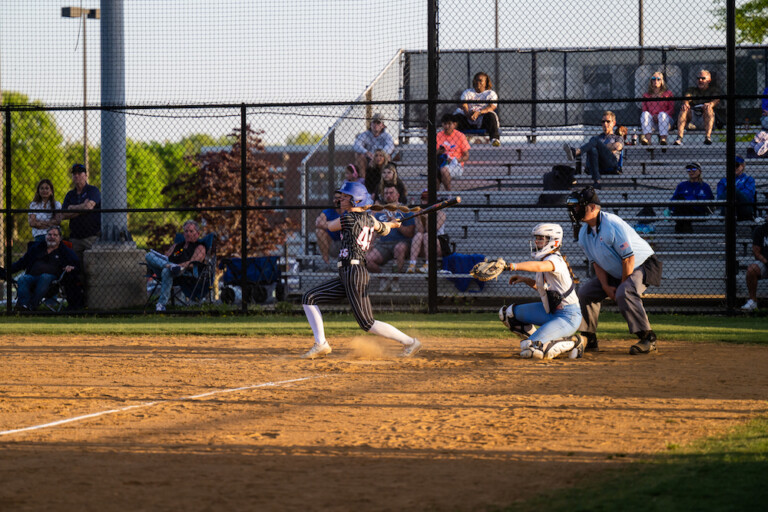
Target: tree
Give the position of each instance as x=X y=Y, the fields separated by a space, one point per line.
x=215 y=182
x=303 y=139
x=751 y=21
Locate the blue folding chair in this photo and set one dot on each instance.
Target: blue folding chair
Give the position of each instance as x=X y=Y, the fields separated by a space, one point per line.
x=261 y=273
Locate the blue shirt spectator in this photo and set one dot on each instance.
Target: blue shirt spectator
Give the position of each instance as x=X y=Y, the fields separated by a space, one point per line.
x=612 y=241
x=745 y=191
x=695 y=189
x=332 y=214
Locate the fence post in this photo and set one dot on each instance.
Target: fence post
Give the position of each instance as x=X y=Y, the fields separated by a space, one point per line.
x=432 y=68
x=243 y=209
x=331 y=163
x=6 y=211
x=731 y=263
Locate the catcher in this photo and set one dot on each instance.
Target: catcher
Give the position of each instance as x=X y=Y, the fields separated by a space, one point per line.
x=559 y=314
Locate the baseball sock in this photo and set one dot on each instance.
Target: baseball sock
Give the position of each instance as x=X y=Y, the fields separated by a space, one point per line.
x=388 y=331
x=315 y=319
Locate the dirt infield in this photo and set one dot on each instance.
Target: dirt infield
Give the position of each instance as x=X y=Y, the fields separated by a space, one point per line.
x=462 y=426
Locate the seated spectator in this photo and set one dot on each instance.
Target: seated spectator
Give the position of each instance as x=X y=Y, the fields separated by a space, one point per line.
x=603 y=151
x=394 y=245
x=369 y=141
x=329 y=242
x=43 y=263
x=695 y=189
x=420 y=239
x=389 y=177
x=351 y=174
x=745 y=192
x=759 y=269
x=764 y=116
x=176 y=260
x=702 y=105
x=373 y=172
x=472 y=116
x=452 y=151
x=49 y=214
x=658 y=114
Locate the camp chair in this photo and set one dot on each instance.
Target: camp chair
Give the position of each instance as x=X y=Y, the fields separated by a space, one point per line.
x=261 y=274
x=195 y=285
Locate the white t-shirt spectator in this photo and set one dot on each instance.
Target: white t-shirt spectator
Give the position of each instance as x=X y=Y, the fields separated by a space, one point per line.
x=489 y=96
x=44 y=214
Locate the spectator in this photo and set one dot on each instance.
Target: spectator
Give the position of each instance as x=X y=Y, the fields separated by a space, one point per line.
x=624 y=265
x=370 y=140
x=759 y=269
x=695 y=189
x=176 y=260
x=43 y=263
x=49 y=214
x=389 y=177
x=420 y=239
x=373 y=172
x=764 y=117
x=472 y=116
x=329 y=241
x=394 y=245
x=79 y=206
x=351 y=174
x=452 y=151
x=657 y=114
x=603 y=151
x=745 y=192
x=702 y=103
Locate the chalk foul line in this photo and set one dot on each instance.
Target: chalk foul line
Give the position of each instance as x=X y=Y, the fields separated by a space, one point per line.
x=150 y=404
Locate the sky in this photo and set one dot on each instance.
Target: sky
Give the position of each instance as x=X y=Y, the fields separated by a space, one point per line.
x=233 y=51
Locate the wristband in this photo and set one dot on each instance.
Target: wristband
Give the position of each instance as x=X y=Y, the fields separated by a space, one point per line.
x=512 y=267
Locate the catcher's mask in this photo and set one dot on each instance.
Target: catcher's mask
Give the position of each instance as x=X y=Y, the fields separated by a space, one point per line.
x=553 y=233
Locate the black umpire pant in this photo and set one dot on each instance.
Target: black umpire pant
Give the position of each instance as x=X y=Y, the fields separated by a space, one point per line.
x=352 y=284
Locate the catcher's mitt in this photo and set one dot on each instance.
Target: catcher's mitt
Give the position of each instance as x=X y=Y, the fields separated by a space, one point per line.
x=487 y=270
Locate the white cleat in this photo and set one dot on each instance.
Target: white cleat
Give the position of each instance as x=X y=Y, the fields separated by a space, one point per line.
x=749 y=306
x=412 y=349
x=317 y=351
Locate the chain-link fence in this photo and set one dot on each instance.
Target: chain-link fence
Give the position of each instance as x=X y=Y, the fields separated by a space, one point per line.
x=258 y=176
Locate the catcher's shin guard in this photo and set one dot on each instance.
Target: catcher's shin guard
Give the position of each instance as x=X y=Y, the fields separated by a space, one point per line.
x=507 y=317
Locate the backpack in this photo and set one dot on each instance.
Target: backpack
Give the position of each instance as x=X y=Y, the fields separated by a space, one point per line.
x=561 y=177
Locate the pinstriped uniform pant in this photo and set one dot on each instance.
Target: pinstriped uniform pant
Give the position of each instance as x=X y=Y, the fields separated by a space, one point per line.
x=352 y=284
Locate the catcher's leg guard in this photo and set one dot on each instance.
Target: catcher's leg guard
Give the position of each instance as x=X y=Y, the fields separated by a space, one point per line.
x=525 y=349
x=562 y=346
x=507 y=317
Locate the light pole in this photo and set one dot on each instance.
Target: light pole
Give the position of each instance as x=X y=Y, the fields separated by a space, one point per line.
x=94 y=14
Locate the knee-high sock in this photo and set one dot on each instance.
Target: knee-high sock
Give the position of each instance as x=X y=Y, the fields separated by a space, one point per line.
x=315 y=319
x=388 y=331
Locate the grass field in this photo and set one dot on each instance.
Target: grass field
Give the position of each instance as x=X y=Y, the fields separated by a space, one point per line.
x=466 y=411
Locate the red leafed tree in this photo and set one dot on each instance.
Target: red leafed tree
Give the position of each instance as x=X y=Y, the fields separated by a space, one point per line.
x=216 y=183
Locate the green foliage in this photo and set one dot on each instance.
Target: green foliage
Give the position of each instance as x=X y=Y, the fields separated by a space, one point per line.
x=751 y=21
x=303 y=139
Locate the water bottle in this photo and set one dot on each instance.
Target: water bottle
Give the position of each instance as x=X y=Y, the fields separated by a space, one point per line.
x=634 y=137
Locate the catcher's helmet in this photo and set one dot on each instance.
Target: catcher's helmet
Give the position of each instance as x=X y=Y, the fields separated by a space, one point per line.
x=357 y=190
x=554 y=235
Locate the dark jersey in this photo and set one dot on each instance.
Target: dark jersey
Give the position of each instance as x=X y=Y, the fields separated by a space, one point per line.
x=357 y=229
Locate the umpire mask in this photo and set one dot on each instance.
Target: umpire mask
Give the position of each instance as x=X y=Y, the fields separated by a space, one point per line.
x=577 y=203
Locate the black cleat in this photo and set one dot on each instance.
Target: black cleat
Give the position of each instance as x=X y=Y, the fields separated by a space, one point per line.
x=646 y=345
x=591 y=342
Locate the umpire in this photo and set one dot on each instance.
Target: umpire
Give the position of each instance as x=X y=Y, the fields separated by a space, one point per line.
x=624 y=265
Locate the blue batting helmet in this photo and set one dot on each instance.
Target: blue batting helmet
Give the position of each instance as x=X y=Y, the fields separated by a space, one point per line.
x=358 y=192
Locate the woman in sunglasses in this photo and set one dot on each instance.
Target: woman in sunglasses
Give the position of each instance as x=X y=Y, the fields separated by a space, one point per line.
x=657 y=111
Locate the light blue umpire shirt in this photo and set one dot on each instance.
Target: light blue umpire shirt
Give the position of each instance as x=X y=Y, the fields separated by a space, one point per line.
x=614 y=241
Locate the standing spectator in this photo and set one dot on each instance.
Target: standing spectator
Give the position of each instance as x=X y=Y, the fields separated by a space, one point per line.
x=327 y=239
x=471 y=116
x=43 y=263
x=393 y=245
x=694 y=189
x=389 y=177
x=759 y=269
x=176 y=260
x=49 y=214
x=373 y=172
x=624 y=265
x=452 y=151
x=419 y=245
x=370 y=140
x=656 y=113
x=745 y=192
x=81 y=205
x=603 y=151
x=702 y=103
